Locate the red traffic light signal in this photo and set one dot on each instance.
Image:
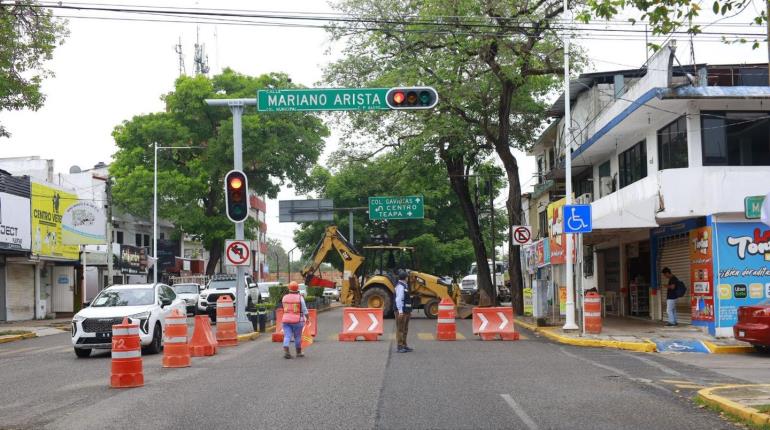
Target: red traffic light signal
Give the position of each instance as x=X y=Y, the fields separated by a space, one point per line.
x=411 y=98
x=236 y=196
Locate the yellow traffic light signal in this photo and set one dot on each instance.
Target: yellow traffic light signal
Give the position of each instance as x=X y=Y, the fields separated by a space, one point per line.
x=403 y=98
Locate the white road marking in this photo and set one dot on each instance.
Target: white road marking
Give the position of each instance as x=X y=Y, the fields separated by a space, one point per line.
x=355 y=322
x=519 y=412
x=484 y=322
x=661 y=367
x=374 y=322
x=503 y=319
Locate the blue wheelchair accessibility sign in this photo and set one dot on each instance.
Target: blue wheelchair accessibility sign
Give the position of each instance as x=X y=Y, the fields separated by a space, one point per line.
x=577 y=219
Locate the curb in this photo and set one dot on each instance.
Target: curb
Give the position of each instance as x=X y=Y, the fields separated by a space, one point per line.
x=15 y=337
x=646 y=346
x=735 y=408
x=727 y=349
x=248 y=336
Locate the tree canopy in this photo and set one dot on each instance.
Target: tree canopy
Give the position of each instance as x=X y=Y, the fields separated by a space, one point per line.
x=278 y=148
x=28 y=36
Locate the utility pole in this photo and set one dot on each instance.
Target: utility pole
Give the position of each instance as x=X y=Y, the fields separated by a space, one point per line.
x=767 y=18
x=570 y=317
x=108 y=206
x=492 y=239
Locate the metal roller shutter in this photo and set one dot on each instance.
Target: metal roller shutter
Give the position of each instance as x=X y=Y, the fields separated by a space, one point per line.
x=20 y=291
x=674 y=253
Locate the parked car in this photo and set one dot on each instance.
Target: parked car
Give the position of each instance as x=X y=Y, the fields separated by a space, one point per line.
x=219 y=285
x=332 y=293
x=264 y=290
x=150 y=304
x=754 y=325
x=189 y=293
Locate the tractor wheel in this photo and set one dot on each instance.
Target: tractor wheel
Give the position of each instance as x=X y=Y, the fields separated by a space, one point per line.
x=431 y=309
x=378 y=297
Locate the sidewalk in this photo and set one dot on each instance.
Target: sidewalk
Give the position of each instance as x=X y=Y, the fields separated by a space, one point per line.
x=748 y=402
x=33 y=328
x=642 y=336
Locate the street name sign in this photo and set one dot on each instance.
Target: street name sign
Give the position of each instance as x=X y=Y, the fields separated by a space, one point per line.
x=395 y=207
x=521 y=234
x=237 y=253
x=752 y=206
x=322 y=99
x=305 y=210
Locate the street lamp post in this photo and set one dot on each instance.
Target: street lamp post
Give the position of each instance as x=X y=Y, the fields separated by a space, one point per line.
x=155 y=205
x=289 y=269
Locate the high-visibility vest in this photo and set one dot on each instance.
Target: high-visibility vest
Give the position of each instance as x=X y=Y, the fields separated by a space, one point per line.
x=292 y=308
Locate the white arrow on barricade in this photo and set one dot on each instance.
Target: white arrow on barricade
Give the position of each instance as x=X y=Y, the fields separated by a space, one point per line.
x=355 y=322
x=503 y=319
x=375 y=323
x=484 y=322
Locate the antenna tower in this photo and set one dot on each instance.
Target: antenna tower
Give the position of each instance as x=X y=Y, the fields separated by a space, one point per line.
x=201 y=60
x=180 y=55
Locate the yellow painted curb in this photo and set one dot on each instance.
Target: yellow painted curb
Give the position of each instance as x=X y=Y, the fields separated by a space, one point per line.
x=645 y=346
x=735 y=408
x=16 y=337
x=727 y=349
x=248 y=336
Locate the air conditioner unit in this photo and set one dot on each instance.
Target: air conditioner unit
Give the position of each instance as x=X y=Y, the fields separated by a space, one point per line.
x=605 y=185
x=585 y=199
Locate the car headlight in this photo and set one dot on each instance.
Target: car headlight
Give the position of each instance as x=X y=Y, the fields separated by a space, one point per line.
x=144 y=320
x=140 y=316
x=78 y=318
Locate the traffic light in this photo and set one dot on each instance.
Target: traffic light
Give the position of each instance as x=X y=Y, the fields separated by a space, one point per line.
x=411 y=98
x=236 y=196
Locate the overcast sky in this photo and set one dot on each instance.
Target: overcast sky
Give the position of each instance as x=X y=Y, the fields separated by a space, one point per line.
x=108 y=71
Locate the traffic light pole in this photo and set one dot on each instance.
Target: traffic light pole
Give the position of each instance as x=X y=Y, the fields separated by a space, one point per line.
x=236 y=107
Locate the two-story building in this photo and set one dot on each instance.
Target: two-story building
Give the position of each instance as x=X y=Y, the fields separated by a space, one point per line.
x=666 y=156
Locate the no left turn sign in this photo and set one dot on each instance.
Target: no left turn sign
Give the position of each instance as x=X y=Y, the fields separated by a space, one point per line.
x=237 y=253
x=521 y=234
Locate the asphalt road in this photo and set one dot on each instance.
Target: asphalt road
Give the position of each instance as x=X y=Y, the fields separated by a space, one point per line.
x=467 y=384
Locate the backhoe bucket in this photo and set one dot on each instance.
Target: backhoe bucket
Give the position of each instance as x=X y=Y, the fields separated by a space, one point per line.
x=464 y=311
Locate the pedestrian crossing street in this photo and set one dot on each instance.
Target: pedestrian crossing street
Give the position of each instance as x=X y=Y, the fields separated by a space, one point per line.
x=423 y=336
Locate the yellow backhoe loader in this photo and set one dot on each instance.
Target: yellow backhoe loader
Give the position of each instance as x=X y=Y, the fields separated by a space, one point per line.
x=369 y=280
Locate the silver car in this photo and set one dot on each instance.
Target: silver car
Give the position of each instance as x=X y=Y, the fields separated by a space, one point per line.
x=188 y=293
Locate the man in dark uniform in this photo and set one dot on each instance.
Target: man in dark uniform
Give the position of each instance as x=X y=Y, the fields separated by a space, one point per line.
x=671 y=296
x=403 y=311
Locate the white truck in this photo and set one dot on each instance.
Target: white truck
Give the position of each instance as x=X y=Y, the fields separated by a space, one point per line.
x=469 y=286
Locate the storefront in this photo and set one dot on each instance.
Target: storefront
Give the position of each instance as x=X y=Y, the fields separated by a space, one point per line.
x=17 y=281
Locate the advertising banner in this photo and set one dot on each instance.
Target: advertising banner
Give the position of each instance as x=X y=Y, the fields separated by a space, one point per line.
x=528 y=301
x=555 y=215
x=543 y=253
x=15 y=225
x=559 y=249
x=167 y=252
x=133 y=259
x=742 y=268
x=701 y=273
x=562 y=300
x=48 y=207
x=84 y=223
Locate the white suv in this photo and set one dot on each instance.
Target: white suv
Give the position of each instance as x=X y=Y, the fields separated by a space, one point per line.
x=150 y=304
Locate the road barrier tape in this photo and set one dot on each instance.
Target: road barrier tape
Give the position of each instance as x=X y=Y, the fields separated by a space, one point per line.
x=177 y=339
x=226 y=319
x=446 y=320
x=125 y=331
x=225 y=305
x=176 y=321
x=593 y=314
x=445 y=308
x=126 y=354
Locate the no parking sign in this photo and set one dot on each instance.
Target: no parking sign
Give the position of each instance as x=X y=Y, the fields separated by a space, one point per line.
x=521 y=234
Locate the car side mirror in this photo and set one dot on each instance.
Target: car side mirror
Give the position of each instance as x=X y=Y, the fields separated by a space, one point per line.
x=165 y=302
x=86 y=304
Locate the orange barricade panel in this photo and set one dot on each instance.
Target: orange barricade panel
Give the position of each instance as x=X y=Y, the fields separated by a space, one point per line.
x=278 y=333
x=126 y=371
x=203 y=342
x=313 y=325
x=361 y=322
x=489 y=323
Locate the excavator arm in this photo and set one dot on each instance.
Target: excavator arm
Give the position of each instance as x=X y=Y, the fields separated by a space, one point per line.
x=351 y=260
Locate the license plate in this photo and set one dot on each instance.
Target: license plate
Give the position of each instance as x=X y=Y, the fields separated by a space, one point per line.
x=742 y=333
x=104 y=335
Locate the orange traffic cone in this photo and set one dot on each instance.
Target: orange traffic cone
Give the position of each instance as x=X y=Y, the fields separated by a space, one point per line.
x=227 y=333
x=176 y=353
x=126 y=356
x=202 y=342
x=446 y=328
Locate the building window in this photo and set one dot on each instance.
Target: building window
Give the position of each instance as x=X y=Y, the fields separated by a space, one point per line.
x=632 y=164
x=138 y=239
x=583 y=184
x=543 y=224
x=736 y=138
x=606 y=184
x=540 y=168
x=162 y=236
x=672 y=145
x=120 y=237
x=146 y=240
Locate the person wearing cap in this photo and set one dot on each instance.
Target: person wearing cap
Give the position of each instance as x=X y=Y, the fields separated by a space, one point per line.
x=293 y=320
x=403 y=311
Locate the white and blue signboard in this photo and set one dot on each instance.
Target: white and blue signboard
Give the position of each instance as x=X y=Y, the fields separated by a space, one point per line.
x=577 y=219
x=741 y=270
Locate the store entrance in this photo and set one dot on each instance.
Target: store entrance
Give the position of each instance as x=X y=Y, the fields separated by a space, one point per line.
x=638 y=270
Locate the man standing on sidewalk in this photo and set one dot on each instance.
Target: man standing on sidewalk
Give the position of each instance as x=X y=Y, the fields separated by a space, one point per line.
x=671 y=295
x=403 y=311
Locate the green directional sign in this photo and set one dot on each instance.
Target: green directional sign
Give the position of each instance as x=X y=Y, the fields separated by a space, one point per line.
x=395 y=207
x=322 y=99
x=753 y=206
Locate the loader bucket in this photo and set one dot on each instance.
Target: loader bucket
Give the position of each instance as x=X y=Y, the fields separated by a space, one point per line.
x=464 y=310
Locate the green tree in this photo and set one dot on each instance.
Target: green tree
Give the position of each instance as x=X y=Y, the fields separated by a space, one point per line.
x=440 y=239
x=493 y=63
x=276 y=256
x=28 y=36
x=277 y=148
